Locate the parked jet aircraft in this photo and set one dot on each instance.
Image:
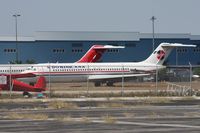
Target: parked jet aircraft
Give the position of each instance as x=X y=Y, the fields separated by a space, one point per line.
x=103 y=72
x=9 y=73
x=92 y=55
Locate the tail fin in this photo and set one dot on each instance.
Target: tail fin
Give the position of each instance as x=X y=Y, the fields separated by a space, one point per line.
x=162 y=52
x=41 y=83
x=96 y=52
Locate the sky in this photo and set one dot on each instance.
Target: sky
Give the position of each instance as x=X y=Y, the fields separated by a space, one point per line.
x=173 y=16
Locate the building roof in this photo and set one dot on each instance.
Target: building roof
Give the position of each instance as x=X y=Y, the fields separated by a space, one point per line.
x=195 y=37
x=166 y=35
x=86 y=36
x=13 y=38
x=97 y=36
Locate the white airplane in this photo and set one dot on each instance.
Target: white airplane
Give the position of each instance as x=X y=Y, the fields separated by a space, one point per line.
x=92 y=55
x=103 y=72
x=10 y=73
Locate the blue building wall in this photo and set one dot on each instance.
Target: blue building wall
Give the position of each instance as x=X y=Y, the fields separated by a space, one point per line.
x=71 y=51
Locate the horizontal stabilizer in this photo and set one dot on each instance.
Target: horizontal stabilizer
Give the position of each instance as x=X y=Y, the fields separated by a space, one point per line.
x=177 y=45
x=107 y=47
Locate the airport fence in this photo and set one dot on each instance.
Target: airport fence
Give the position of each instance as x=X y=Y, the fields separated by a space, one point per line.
x=76 y=81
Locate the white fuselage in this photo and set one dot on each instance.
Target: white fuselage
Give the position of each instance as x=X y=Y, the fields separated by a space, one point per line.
x=69 y=72
x=13 y=68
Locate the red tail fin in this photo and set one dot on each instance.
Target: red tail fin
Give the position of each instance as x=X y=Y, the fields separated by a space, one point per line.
x=93 y=54
x=41 y=83
x=96 y=52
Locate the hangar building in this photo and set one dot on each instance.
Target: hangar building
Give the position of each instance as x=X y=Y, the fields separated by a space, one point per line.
x=69 y=46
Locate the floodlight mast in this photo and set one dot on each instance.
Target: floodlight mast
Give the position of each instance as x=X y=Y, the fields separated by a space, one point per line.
x=153 y=18
x=16 y=36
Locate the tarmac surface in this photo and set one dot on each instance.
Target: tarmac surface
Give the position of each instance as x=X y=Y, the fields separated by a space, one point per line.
x=101 y=115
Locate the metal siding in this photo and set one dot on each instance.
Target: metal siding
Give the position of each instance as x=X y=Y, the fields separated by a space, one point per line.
x=6 y=57
x=41 y=50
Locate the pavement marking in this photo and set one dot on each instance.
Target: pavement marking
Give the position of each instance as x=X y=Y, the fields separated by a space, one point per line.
x=119 y=122
x=96 y=99
x=149 y=124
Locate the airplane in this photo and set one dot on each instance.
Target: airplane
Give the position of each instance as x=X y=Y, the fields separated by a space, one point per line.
x=102 y=72
x=21 y=86
x=10 y=73
x=94 y=54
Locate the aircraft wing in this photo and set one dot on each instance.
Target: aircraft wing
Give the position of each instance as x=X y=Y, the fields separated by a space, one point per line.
x=103 y=77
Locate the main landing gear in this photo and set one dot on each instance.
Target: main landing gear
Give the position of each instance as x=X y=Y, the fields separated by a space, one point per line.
x=97 y=84
x=27 y=94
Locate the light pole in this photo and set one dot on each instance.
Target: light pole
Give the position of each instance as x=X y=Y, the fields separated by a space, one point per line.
x=153 y=18
x=15 y=16
x=190 y=78
x=176 y=56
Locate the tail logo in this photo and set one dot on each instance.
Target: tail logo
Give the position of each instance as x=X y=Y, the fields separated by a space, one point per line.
x=160 y=55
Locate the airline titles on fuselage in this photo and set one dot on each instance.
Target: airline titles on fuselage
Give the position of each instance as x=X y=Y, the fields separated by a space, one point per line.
x=67 y=67
x=87 y=68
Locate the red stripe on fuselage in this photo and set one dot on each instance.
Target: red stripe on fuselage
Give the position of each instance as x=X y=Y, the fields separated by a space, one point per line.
x=81 y=72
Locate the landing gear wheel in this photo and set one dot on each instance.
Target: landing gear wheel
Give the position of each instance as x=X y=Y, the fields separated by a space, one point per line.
x=109 y=83
x=26 y=94
x=97 y=84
